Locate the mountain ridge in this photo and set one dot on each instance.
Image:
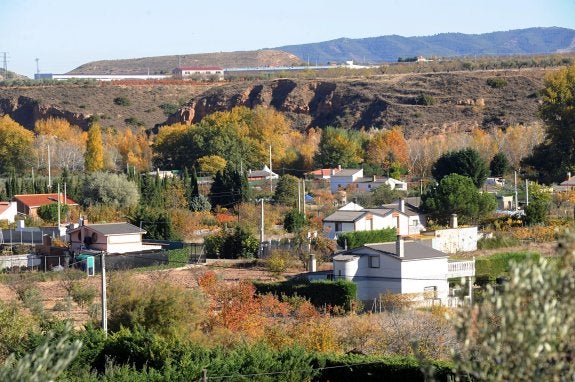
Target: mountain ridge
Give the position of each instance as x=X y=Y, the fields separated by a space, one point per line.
x=537 y=40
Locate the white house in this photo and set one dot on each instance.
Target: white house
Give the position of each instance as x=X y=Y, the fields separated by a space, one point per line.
x=351 y=218
x=262 y=174
x=341 y=179
x=111 y=238
x=8 y=210
x=405 y=267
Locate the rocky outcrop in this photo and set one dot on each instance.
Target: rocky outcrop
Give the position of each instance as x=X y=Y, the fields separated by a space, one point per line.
x=26 y=111
x=451 y=101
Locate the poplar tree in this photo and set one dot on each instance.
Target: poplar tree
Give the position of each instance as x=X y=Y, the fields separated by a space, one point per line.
x=94 y=159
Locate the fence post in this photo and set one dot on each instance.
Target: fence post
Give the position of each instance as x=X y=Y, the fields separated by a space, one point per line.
x=204 y=375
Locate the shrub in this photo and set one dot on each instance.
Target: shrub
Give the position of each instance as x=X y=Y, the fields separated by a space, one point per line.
x=122 y=101
x=496 y=82
x=425 y=100
x=320 y=293
x=500 y=263
x=83 y=295
x=294 y=220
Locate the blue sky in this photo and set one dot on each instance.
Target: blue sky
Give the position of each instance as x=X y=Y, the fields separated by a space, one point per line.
x=64 y=34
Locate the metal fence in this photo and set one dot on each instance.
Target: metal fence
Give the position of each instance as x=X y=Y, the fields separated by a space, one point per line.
x=27 y=235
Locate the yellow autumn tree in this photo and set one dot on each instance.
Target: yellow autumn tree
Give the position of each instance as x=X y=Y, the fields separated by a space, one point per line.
x=94 y=158
x=134 y=148
x=211 y=164
x=16 y=150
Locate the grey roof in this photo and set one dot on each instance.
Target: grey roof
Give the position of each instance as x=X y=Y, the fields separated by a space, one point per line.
x=114 y=228
x=412 y=250
x=346 y=172
x=344 y=216
x=351 y=216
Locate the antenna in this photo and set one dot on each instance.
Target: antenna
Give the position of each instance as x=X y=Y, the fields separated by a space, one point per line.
x=37 y=65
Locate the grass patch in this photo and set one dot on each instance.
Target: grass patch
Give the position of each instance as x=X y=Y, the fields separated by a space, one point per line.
x=489 y=268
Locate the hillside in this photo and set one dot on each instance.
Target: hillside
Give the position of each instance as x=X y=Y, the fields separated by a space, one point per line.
x=421 y=103
x=165 y=64
x=451 y=101
x=390 y=48
x=80 y=103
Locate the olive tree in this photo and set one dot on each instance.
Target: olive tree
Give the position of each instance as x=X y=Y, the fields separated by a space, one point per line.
x=107 y=188
x=524 y=331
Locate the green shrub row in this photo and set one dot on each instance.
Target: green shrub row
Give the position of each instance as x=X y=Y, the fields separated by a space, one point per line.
x=143 y=356
x=359 y=238
x=320 y=293
x=497 y=242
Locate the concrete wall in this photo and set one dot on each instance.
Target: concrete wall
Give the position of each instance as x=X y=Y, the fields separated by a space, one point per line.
x=453 y=240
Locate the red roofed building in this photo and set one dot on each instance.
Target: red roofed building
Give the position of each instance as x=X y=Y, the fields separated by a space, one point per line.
x=208 y=72
x=29 y=204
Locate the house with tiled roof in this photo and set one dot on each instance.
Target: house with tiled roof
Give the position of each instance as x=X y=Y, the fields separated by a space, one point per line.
x=109 y=237
x=28 y=204
x=263 y=174
x=401 y=267
x=8 y=210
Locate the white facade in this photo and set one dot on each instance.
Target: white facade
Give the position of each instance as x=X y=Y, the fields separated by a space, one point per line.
x=340 y=179
x=8 y=210
x=405 y=267
x=453 y=240
x=347 y=220
x=206 y=72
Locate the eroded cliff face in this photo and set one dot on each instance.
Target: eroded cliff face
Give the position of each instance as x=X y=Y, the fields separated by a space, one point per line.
x=26 y=111
x=421 y=103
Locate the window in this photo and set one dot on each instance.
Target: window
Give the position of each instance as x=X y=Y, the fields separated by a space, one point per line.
x=415 y=222
x=374 y=261
x=337 y=227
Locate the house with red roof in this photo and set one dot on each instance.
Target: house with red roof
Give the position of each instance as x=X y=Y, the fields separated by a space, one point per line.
x=28 y=204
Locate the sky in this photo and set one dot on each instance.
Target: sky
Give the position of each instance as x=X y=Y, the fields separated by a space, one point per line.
x=64 y=34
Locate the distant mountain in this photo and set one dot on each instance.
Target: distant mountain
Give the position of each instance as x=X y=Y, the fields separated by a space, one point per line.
x=390 y=48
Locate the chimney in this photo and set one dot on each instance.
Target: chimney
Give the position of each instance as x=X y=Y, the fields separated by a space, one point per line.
x=401 y=205
x=80 y=221
x=399 y=246
x=312 y=263
x=568 y=175
x=453 y=221
x=374 y=178
x=333 y=171
x=338 y=167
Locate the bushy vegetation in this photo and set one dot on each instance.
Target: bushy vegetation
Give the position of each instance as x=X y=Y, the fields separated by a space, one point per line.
x=489 y=268
x=359 y=238
x=321 y=293
x=496 y=82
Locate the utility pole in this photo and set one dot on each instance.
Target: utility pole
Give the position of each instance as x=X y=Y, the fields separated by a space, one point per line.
x=515 y=186
x=298 y=196
x=58 y=208
x=49 y=171
x=271 y=179
x=526 y=192
x=303 y=197
x=262 y=229
x=104 y=312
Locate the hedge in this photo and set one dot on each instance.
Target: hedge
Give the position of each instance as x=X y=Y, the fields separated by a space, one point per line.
x=378 y=368
x=359 y=238
x=320 y=292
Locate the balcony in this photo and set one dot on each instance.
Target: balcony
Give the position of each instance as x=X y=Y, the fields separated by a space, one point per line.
x=460 y=268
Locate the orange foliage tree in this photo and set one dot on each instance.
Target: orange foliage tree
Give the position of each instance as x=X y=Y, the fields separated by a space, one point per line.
x=389 y=149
